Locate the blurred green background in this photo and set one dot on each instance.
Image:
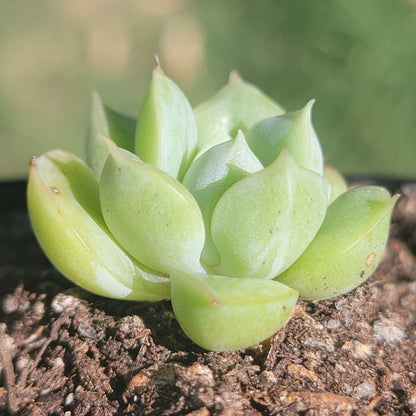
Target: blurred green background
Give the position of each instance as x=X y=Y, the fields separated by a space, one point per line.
x=356 y=57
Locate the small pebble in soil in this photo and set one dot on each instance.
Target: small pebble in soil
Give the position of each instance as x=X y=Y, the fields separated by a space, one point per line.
x=365 y=389
x=333 y=324
x=361 y=351
x=22 y=362
x=69 y=399
x=10 y=304
x=386 y=332
x=62 y=302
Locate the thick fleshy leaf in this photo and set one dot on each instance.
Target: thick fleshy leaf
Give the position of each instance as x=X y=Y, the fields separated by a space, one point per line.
x=166 y=132
x=292 y=131
x=106 y=122
x=336 y=181
x=237 y=106
x=223 y=313
x=348 y=246
x=153 y=216
x=66 y=218
x=264 y=222
x=212 y=174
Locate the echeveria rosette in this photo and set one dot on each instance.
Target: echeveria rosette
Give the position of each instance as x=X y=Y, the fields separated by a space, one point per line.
x=227 y=210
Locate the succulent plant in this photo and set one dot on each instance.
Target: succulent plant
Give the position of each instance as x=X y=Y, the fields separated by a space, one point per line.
x=226 y=209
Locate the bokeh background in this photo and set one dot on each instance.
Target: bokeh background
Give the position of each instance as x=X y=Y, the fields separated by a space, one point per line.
x=356 y=57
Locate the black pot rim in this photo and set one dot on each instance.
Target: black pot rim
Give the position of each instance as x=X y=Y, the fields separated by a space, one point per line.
x=12 y=195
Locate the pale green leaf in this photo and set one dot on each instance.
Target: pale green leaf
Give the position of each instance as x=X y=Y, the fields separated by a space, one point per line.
x=348 y=246
x=166 y=132
x=292 y=131
x=210 y=175
x=66 y=218
x=222 y=313
x=263 y=223
x=153 y=216
x=106 y=122
x=336 y=181
x=237 y=106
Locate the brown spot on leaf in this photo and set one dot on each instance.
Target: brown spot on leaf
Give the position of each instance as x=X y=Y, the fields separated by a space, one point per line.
x=371 y=258
x=55 y=190
x=362 y=273
x=33 y=161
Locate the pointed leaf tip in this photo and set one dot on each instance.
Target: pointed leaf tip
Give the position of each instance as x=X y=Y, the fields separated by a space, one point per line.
x=238 y=105
x=234 y=77
x=293 y=131
x=166 y=132
x=310 y=103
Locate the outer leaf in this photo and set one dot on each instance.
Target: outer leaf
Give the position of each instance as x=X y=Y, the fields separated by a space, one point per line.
x=293 y=131
x=336 y=181
x=236 y=106
x=223 y=313
x=153 y=216
x=65 y=215
x=166 y=132
x=106 y=122
x=264 y=222
x=212 y=174
x=348 y=246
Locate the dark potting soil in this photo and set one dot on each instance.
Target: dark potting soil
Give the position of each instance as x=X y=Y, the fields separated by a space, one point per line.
x=66 y=352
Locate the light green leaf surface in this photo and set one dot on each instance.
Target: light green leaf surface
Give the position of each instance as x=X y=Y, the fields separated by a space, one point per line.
x=337 y=183
x=348 y=246
x=66 y=218
x=222 y=313
x=153 y=216
x=210 y=175
x=263 y=223
x=166 y=132
x=292 y=131
x=237 y=106
x=106 y=122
